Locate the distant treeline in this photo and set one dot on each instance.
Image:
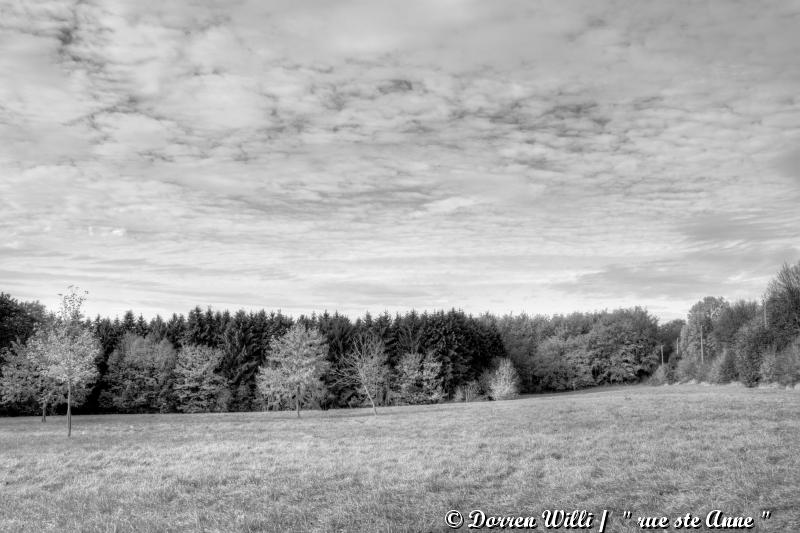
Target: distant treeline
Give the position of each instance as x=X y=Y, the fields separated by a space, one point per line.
x=209 y=360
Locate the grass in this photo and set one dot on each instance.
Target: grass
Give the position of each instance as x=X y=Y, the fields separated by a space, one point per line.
x=650 y=450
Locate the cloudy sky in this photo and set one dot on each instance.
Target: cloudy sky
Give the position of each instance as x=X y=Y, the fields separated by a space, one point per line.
x=385 y=155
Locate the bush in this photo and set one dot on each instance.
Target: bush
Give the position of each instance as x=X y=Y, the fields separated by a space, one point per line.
x=781 y=366
x=419 y=379
x=504 y=381
x=686 y=370
x=659 y=377
x=723 y=368
x=467 y=392
x=752 y=342
x=768 y=370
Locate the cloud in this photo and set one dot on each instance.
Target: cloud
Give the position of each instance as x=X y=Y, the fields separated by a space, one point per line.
x=510 y=155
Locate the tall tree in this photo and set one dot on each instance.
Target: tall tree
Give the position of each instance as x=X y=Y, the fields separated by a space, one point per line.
x=782 y=302
x=697 y=339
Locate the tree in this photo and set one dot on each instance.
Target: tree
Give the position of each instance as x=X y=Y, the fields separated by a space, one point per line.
x=419 y=378
x=23 y=380
x=198 y=387
x=783 y=305
x=697 y=337
x=66 y=349
x=504 y=381
x=294 y=366
x=364 y=367
x=18 y=320
x=139 y=371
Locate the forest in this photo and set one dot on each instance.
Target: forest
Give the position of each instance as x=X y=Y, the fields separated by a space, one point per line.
x=217 y=361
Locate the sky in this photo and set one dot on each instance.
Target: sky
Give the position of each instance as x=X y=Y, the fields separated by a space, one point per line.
x=514 y=156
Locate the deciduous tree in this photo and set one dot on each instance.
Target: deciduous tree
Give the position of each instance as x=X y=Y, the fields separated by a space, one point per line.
x=295 y=365
x=67 y=349
x=364 y=367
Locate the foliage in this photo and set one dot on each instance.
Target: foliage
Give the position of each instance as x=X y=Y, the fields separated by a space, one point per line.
x=687 y=369
x=25 y=385
x=468 y=392
x=723 y=368
x=504 y=381
x=752 y=340
x=426 y=356
x=294 y=367
x=659 y=377
x=198 y=387
x=698 y=340
x=783 y=305
x=419 y=379
x=18 y=320
x=139 y=375
x=781 y=366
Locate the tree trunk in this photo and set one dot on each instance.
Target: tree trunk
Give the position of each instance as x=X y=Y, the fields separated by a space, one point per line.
x=702 y=355
x=374 y=410
x=69 y=409
x=297 y=401
x=44 y=410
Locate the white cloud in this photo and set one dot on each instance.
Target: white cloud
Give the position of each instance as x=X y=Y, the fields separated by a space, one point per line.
x=474 y=153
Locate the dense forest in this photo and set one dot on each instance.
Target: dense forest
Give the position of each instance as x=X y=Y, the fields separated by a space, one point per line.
x=211 y=360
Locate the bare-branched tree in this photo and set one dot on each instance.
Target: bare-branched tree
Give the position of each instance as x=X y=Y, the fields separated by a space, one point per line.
x=364 y=367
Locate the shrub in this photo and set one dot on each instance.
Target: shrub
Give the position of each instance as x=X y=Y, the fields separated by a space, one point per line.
x=659 y=377
x=723 y=368
x=752 y=341
x=769 y=363
x=686 y=370
x=419 y=379
x=504 y=381
x=781 y=366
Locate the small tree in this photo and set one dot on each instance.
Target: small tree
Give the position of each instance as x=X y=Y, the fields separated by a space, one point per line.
x=67 y=350
x=419 y=378
x=23 y=380
x=504 y=381
x=467 y=392
x=364 y=367
x=294 y=366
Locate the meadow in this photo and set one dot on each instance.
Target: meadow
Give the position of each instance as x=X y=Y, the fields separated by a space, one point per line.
x=653 y=451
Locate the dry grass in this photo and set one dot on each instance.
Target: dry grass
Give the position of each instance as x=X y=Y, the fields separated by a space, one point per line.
x=658 y=451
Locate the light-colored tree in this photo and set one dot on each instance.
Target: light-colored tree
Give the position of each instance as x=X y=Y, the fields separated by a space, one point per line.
x=364 y=367
x=504 y=381
x=66 y=350
x=419 y=378
x=467 y=392
x=294 y=366
x=23 y=380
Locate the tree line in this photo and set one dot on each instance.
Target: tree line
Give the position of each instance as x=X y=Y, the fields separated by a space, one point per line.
x=211 y=360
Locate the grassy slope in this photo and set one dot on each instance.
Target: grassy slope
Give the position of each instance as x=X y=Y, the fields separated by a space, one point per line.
x=664 y=450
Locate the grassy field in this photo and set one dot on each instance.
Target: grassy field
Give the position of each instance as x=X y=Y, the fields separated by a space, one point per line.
x=648 y=450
